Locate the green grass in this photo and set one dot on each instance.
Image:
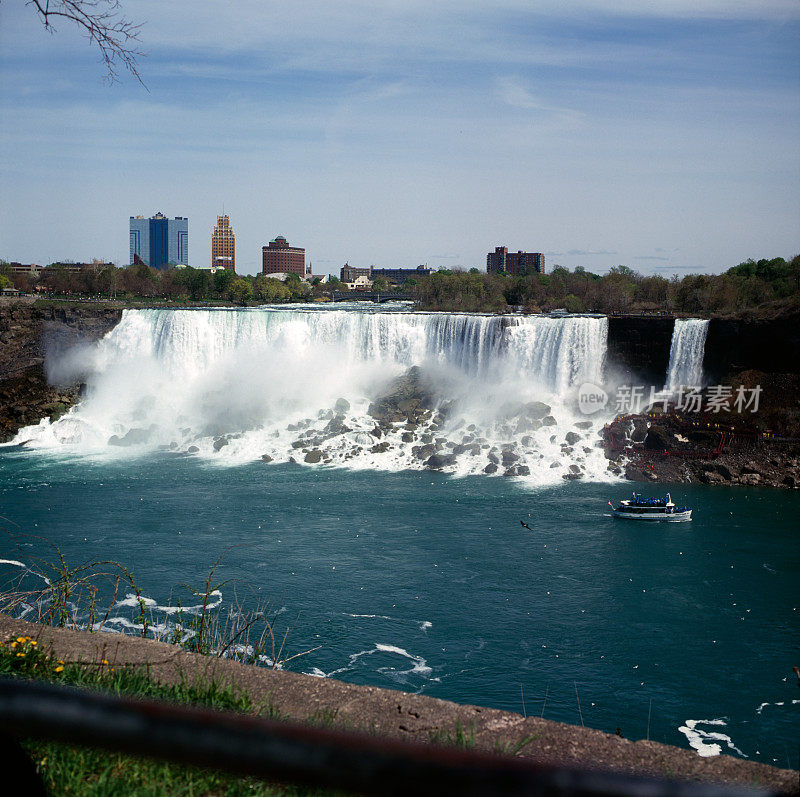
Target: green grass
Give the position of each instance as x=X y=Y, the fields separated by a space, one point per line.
x=68 y=770
x=454 y=738
x=510 y=748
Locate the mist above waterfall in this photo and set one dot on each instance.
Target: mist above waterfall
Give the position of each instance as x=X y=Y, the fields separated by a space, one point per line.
x=238 y=385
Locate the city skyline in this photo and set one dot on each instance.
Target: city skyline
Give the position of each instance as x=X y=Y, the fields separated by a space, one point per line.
x=600 y=133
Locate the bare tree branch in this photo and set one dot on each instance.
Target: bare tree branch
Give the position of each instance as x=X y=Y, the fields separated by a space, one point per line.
x=103 y=23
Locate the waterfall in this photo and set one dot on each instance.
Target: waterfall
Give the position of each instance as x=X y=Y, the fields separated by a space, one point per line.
x=275 y=384
x=686 y=354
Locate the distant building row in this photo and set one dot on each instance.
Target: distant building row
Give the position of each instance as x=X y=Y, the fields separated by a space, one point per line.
x=34 y=270
x=161 y=242
x=356 y=277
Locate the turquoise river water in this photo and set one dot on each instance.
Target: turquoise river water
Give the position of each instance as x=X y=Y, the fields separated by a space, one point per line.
x=430 y=584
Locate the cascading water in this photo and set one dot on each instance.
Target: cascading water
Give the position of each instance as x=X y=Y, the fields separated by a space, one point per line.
x=302 y=385
x=686 y=354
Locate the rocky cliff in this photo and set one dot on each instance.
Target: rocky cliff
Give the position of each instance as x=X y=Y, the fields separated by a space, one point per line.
x=638 y=347
x=27 y=334
x=771 y=346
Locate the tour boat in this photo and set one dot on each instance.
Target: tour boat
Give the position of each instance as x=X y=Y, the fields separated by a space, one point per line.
x=639 y=508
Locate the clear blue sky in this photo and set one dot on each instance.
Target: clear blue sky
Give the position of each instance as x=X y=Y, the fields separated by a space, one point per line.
x=662 y=135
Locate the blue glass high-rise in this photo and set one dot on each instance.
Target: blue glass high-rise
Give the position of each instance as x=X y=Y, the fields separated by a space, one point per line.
x=158 y=241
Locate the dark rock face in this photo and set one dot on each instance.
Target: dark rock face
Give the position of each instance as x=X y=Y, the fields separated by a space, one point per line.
x=509 y=457
x=439 y=461
x=658 y=439
x=423 y=452
x=768 y=345
x=705 y=456
x=336 y=426
x=639 y=348
x=27 y=334
x=409 y=398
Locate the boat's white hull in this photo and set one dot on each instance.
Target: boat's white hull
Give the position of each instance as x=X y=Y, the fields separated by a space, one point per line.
x=672 y=517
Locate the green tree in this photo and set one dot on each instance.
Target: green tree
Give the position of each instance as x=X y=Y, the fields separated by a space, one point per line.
x=241 y=291
x=198 y=282
x=222 y=281
x=573 y=304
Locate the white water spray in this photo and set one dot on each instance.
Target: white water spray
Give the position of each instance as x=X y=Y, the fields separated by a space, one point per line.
x=238 y=385
x=686 y=354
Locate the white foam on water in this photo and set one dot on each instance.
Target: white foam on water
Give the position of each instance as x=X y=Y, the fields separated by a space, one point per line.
x=133 y=601
x=779 y=703
x=424 y=625
x=229 y=386
x=707 y=743
x=419 y=666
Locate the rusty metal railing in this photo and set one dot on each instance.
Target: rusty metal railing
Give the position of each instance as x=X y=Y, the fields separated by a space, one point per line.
x=292 y=753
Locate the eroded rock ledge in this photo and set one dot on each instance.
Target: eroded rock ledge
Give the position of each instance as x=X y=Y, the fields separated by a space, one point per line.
x=26 y=334
x=399 y=715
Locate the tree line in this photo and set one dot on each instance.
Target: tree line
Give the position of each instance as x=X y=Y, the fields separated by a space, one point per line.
x=752 y=284
x=178 y=284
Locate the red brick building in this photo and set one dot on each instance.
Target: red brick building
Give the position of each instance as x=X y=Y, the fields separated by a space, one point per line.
x=501 y=260
x=279 y=257
x=349 y=273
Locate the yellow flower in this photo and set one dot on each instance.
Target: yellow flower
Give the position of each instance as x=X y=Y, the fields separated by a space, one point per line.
x=13 y=645
x=60 y=662
x=20 y=654
x=104 y=661
x=34 y=642
x=59 y=669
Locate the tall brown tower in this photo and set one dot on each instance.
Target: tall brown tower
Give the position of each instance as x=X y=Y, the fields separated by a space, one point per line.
x=223 y=245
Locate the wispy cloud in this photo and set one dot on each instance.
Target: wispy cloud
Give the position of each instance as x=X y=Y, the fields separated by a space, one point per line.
x=584 y=253
x=382 y=132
